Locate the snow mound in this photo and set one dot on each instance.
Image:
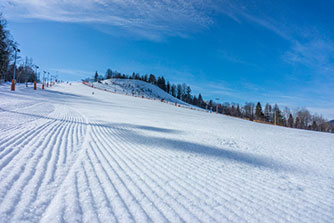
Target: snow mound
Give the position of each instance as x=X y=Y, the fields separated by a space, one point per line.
x=137 y=88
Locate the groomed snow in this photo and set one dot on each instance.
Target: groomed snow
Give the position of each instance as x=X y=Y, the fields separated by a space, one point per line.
x=67 y=155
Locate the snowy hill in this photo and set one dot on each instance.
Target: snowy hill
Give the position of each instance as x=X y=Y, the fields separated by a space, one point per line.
x=69 y=156
x=137 y=88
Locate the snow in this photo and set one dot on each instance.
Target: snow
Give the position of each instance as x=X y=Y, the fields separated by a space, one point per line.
x=67 y=155
x=136 y=88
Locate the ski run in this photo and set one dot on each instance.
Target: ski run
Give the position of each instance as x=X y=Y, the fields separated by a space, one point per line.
x=72 y=153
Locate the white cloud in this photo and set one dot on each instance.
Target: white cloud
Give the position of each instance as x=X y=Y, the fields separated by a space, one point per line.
x=145 y=18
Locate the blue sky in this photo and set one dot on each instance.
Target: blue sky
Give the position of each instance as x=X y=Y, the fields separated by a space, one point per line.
x=269 y=51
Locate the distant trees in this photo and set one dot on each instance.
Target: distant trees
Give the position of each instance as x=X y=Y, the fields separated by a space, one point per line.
x=304 y=118
x=24 y=72
x=290 y=121
x=179 y=91
x=258 y=112
x=173 y=90
x=168 y=87
x=268 y=113
x=272 y=114
x=108 y=74
x=152 y=79
x=96 y=77
x=4 y=48
x=161 y=83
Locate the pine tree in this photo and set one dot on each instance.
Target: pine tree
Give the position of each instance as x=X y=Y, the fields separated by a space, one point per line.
x=5 y=50
x=200 y=102
x=137 y=76
x=173 y=90
x=152 y=79
x=145 y=78
x=187 y=97
x=96 y=76
x=161 y=83
x=109 y=74
x=179 y=91
x=168 y=87
x=278 y=118
x=258 y=112
x=290 y=121
x=133 y=76
x=210 y=105
x=195 y=101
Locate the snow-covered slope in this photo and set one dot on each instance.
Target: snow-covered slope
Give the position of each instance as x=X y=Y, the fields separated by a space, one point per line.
x=69 y=156
x=137 y=88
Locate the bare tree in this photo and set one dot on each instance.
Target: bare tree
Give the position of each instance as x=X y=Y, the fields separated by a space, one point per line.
x=304 y=117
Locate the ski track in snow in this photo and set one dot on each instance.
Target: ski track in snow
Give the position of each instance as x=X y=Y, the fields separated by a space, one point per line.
x=69 y=156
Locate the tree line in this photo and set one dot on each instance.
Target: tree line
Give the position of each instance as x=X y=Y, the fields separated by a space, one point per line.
x=300 y=118
x=180 y=91
x=25 y=72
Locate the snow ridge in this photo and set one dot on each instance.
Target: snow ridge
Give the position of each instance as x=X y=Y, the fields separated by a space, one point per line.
x=137 y=88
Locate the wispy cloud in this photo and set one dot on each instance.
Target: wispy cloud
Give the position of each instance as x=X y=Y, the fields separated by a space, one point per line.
x=316 y=54
x=150 y=19
x=309 y=46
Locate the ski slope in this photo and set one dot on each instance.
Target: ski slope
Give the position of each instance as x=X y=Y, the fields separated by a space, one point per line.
x=136 y=88
x=67 y=155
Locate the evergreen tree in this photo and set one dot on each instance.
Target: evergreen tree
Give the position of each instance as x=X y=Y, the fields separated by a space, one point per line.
x=145 y=78
x=183 y=91
x=173 y=90
x=200 y=102
x=258 y=112
x=195 y=101
x=168 y=87
x=290 y=121
x=96 y=77
x=187 y=97
x=161 y=83
x=278 y=118
x=152 y=79
x=109 y=74
x=179 y=91
x=5 y=50
x=133 y=76
x=210 y=105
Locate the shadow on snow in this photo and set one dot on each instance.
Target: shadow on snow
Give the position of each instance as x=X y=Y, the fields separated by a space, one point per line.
x=179 y=145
